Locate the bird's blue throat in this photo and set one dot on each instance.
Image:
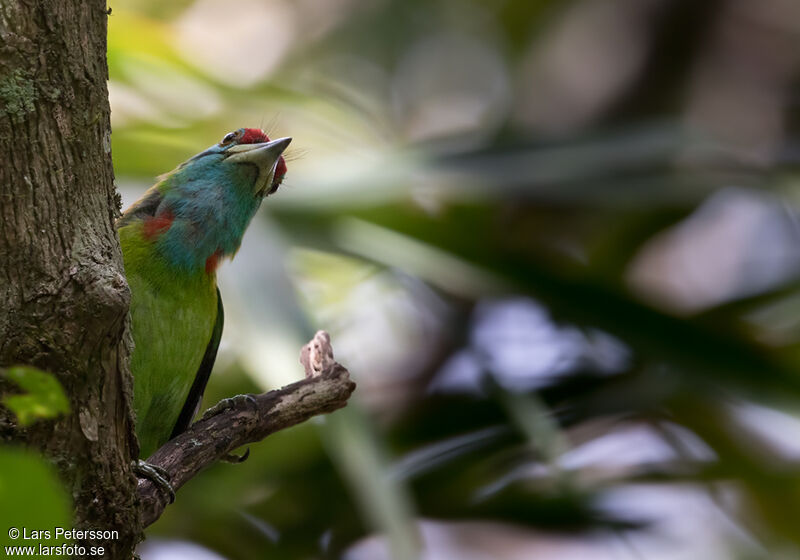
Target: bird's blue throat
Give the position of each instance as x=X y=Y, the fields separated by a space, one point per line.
x=204 y=214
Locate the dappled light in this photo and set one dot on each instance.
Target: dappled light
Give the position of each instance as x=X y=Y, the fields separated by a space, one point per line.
x=556 y=244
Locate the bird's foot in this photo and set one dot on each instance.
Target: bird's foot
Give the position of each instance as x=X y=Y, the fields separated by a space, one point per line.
x=159 y=476
x=236 y=459
x=227 y=404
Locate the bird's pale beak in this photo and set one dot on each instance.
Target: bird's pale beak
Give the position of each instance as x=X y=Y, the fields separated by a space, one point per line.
x=264 y=155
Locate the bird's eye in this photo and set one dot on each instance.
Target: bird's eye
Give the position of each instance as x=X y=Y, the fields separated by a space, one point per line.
x=230 y=137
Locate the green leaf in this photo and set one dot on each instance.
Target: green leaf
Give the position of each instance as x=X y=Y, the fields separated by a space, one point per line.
x=33 y=500
x=43 y=398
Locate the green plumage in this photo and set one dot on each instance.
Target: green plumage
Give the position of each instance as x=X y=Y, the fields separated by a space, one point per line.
x=172 y=240
x=173 y=313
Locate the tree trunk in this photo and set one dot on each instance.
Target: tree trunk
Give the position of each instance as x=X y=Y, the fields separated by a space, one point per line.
x=63 y=295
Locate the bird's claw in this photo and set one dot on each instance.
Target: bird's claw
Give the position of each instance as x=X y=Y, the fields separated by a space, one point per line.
x=236 y=459
x=227 y=404
x=159 y=476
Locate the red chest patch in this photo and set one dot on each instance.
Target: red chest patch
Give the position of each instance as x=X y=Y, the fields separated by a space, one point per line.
x=212 y=262
x=155 y=226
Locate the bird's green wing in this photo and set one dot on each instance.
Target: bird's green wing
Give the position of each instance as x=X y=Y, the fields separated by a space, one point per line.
x=192 y=404
x=142 y=208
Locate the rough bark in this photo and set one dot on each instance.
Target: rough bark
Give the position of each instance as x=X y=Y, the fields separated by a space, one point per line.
x=63 y=295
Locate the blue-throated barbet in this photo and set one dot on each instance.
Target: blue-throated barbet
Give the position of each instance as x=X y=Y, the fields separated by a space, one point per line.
x=172 y=240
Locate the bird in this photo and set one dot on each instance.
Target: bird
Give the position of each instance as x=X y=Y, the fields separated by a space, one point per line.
x=173 y=239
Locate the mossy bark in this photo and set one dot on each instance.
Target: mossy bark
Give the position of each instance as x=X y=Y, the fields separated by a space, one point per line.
x=63 y=295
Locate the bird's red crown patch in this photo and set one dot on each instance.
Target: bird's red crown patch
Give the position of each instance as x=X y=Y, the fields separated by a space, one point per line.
x=256 y=136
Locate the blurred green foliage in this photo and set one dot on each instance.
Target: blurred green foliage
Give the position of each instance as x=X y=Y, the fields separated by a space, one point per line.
x=618 y=167
x=42 y=397
x=27 y=480
x=40 y=501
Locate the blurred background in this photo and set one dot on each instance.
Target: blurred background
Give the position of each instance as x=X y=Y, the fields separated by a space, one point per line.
x=556 y=243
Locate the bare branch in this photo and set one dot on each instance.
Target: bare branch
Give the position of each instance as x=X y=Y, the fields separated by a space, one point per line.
x=244 y=420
